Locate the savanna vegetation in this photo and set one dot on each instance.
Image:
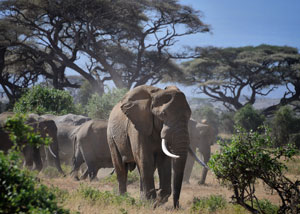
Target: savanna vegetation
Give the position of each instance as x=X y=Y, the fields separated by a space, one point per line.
x=124 y=44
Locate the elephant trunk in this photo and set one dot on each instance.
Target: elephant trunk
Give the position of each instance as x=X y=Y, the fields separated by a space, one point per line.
x=178 y=171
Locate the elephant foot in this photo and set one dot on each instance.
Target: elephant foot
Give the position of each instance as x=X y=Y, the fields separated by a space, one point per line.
x=162 y=197
x=76 y=178
x=201 y=182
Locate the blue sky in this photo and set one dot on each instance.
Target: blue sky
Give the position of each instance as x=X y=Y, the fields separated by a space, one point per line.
x=236 y=23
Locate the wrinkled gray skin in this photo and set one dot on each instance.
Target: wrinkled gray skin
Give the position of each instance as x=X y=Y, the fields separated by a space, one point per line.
x=136 y=127
x=202 y=136
x=67 y=126
x=32 y=155
x=90 y=145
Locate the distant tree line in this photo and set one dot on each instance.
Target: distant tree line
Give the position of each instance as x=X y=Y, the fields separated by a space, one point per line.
x=223 y=74
x=131 y=43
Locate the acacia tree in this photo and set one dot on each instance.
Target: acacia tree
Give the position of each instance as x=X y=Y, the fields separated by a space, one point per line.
x=224 y=73
x=123 y=41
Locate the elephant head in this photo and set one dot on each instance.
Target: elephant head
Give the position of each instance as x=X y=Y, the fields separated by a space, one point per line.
x=163 y=115
x=47 y=128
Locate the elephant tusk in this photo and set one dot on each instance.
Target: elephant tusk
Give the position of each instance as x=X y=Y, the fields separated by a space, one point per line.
x=52 y=153
x=196 y=158
x=165 y=150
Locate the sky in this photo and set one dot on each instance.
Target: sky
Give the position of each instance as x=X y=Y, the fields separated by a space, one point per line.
x=236 y=23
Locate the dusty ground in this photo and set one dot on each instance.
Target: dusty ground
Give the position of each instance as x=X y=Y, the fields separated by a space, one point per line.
x=188 y=193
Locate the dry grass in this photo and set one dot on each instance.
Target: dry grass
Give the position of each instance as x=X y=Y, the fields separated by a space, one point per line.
x=76 y=203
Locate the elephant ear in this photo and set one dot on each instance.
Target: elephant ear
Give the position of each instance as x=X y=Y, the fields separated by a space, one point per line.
x=136 y=106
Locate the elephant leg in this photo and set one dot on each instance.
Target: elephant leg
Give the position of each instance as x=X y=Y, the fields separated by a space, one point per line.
x=84 y=174
x=28 y=156
x=206 y=156
x=188 y=168
x=37 y=160
x=93 y=173
x=77 y=161
x=164 y=173
x=146 y=164
x=53 y=153
x=120 y=168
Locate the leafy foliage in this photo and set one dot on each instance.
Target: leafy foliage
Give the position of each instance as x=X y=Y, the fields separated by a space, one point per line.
x=247 y=159
x=248 y=118
x=100 y=107
x=227 y=122
x=19 y=190
x=42 y=100
x=19 y=132
x=284 y=124
x=209 y=204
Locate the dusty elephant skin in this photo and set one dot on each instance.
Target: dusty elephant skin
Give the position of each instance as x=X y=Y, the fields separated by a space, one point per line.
x=32 y=155
x=67 y=126
x=145 y=121
x=90 y=146
x=202 y=136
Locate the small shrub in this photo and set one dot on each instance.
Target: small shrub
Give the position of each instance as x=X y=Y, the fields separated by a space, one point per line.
x=266 y=206
x=43 y=100
x=248 y=118
x=60 y=194
x=283 y=125
x=19 y=132
x=20 y=192
x=227 y=122
x=208 y=204
x=100 y=107
x=249 y=158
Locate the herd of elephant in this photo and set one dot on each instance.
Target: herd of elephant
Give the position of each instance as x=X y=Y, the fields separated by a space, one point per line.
x=149 y=129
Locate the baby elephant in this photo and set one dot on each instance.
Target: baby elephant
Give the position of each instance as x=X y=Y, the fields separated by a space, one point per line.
x=90 y=146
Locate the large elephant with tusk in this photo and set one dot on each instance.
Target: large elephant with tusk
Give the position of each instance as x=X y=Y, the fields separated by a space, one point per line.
x=149 y=128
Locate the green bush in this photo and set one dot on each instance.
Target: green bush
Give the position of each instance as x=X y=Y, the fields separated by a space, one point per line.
x=43 y=100
x=85 y=92
x=266 y=206
x=283 y=125
x=208 y=204
x=100 y=107
x=248 y=118
x=20 y=192
x=248 y=158
x=227 y=122
x=19 y=133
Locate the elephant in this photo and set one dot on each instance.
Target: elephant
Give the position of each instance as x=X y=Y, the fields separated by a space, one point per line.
x=67 y=126
x=202 y=136
x=90 y=146
x=148 y=128
x=32 y=155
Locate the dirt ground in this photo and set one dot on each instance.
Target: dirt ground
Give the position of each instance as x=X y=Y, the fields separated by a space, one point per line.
x=188 y=193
